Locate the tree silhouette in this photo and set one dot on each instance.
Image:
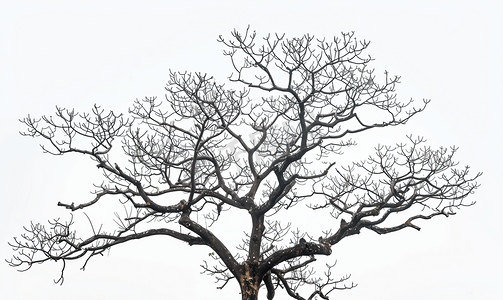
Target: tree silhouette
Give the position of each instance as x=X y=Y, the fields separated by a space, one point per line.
x=262 y=148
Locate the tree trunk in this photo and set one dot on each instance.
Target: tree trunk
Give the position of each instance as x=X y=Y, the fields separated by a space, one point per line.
x=249 y=282
x=249 y=291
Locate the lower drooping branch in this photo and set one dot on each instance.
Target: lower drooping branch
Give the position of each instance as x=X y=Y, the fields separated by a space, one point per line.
x=59 y=243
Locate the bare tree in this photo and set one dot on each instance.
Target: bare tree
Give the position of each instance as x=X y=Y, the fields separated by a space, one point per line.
x=210 y=150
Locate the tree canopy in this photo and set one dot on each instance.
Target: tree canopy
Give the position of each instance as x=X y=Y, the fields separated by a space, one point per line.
x=271 y=139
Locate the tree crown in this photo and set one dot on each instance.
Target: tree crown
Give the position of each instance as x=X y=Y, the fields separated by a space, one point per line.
x=209 y=150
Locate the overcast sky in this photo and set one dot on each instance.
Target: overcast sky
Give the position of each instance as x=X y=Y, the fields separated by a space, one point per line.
x=78 y=53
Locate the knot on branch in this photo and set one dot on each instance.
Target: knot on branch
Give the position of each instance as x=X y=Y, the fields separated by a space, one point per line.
x=68 y=206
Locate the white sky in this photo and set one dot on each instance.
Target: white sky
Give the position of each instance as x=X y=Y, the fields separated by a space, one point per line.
x=75 y=54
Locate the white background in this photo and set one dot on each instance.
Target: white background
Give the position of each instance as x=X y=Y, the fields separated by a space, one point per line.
x=77 y=53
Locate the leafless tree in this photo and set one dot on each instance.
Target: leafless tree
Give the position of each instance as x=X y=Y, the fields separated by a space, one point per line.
x=211 y=150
